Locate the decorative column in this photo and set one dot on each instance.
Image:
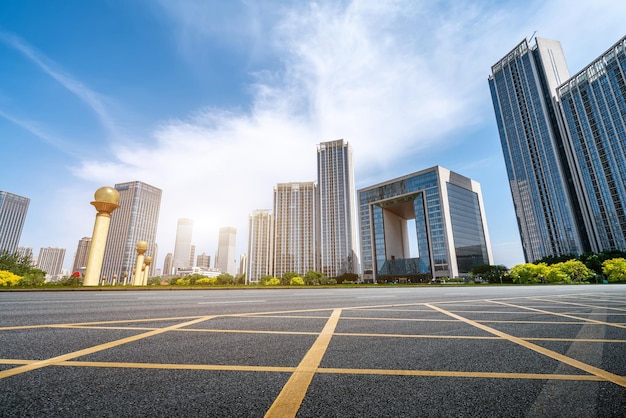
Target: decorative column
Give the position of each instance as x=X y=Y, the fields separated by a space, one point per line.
x=142 y=247
x=147 y=261
x=106 y=199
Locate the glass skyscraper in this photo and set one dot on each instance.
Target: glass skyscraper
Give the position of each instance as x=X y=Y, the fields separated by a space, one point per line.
x=449 y=220
x=335 y=178
x=182 y=246
x=135 y=220
x=13 y=210
x=523 y=85
x=593 y=105
x=564 y=141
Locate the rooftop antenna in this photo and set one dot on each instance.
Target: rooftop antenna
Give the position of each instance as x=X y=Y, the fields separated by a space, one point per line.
x=532 y=36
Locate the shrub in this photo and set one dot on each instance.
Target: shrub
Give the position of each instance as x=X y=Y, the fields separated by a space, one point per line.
x=182 y=282
x=9 y=279
x=296 y=281
x=272 y=282
x=207 y=281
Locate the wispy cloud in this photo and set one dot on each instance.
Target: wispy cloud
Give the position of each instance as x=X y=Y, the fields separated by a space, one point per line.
x=394 y=78
x=92 y=99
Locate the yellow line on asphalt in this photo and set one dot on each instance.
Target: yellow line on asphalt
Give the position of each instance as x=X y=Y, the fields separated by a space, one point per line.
x=123 y=321
x=580 y=304
x=474 y=375
x=618 y=380
x=290 y=398
x=587 y=321
x=94 y=349
x=172 y=366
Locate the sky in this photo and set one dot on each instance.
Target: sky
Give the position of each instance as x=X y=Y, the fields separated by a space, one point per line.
x=215 y=102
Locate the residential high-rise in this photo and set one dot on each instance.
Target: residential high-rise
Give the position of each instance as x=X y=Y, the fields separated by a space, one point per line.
x=593 y=105
x=203 y=261
x=182 y=248
x=226 y=259
x=523 y=86
x=442 y=210
x=13 y=210
x=25 y=252
x=564 y=141
x=192 y=255
x=50 y=260
x=260 y=245
x=167 y=264
x=135 y=220
x=82 y=254
x=295 y=228
x=337 y=233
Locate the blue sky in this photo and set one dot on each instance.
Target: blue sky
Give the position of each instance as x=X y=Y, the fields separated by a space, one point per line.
x=217 y=101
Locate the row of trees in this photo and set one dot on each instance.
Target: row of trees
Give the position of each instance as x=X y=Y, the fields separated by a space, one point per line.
x=608 y=265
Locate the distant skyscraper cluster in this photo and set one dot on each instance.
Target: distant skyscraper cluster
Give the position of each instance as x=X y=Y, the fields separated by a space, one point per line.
x=311 y=225
x=564 y=144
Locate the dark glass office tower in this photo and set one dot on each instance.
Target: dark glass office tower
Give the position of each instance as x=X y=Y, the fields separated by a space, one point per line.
x=523 y=85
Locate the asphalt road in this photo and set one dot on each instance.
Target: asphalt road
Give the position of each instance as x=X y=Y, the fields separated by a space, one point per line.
x=357 y=352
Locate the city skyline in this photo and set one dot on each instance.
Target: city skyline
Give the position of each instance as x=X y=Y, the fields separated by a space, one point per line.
x=178 y=94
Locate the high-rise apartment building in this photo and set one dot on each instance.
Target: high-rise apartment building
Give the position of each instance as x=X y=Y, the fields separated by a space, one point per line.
x=25 y=252
x=337 y=233
x=203 y=261
x=135 y=220
x=50 y=260
x=260 y=245
x=563 y=140
x=82 y=254
x=295 y=228
x=13 y=210
x=444 y=213
x=183 y=259
x=226 y=259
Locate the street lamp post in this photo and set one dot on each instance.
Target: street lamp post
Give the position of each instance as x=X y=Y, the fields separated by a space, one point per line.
x=105 y=202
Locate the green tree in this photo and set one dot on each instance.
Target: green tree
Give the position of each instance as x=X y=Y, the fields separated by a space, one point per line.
x=154 y=281
x=288 y=276
x=529 y=273
x=225 y=278
x=264 y=279
x=35 y=277
x=574 y=270
x=15 y=263
x=313 y=277
x=491 y=273
x=614 y=269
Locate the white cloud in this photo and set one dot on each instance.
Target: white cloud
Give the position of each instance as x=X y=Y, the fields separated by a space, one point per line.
x=392 y=78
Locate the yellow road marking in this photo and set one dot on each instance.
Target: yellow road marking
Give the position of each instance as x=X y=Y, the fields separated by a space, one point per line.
x=618 y=380
x=581 y=304
x=586 y=320
x=100 y=347
x=290 y=398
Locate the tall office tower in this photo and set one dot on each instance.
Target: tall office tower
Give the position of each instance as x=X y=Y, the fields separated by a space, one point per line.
x=260 y=245
x=50 y=260
x=593 y=105
x=295 y=228
x=523 y=85
x=136 y=220
x=182 y=248
x=13 y=210
x=335 y=178
x=243 y=261
x=167 y=264
x=226 y=259
x=82 y=254
x=448 y=225
x=204 y=261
